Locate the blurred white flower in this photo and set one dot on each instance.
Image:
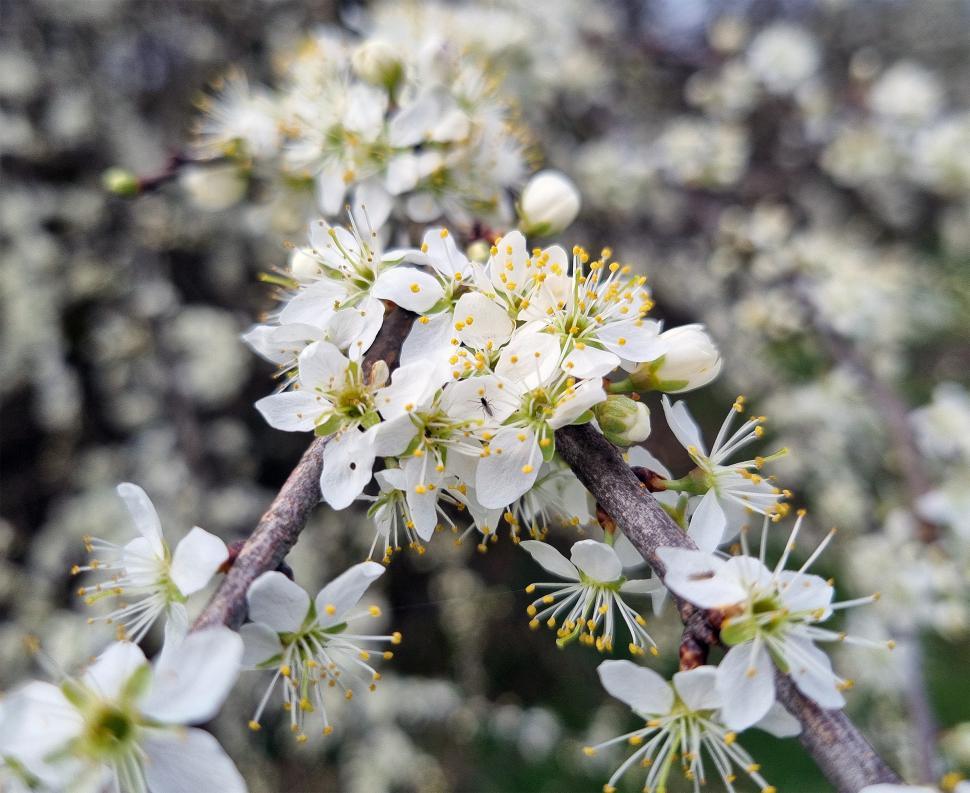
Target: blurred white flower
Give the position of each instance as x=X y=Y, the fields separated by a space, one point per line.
x=120 y=725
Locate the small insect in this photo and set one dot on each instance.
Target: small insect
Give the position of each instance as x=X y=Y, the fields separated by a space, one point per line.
x=486 y=406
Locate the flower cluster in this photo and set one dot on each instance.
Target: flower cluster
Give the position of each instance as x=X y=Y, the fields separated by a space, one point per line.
x=415 y=132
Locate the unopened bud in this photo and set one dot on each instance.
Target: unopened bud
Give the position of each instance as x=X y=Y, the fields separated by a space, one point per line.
x=120 y=182
x=303 y=267
x=213 y=187
x=622 y=420
x=478 y=251
x=377 y=62
x=692 y=360
x=550 y=202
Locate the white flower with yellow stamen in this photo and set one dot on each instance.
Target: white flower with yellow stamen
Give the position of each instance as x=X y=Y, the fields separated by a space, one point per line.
x=586 y=607
x=597 y=312
x=308 y=644
x=544 y=399
x=144 y=571
x=728 y=488
x=683 y=728
x=121 y=725
x=771 y=618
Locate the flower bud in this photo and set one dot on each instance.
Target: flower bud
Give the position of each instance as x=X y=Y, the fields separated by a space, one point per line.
x=120 y=181
x=550 y=202
x=213 y=187
x=377 y=62
x=478 y=251
x=692 y=360
x=303 y=267
x=622 y=420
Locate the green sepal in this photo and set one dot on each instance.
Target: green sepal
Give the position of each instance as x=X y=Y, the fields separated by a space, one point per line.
x=328 y=427
x=738 y=632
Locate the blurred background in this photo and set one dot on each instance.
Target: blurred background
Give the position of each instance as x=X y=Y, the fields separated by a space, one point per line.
x=796 y=175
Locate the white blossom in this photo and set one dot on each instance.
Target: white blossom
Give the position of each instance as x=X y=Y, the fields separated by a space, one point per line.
x=308 y=644
x=120 y=725
x=144 y=571
x=586 y=608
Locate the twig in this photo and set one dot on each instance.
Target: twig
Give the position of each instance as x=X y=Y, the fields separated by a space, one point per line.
x=279 y=528
x=840 y=750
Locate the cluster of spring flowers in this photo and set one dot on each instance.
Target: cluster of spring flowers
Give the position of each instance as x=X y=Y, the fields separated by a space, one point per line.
x=510 y=343
x=414 y=132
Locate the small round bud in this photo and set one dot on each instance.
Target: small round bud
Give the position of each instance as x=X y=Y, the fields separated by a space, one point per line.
x=377 y=62
x=549 y=203
x=213 y=187
x=120 y=181
x=622 y=420
x=303 y=267
x=479 y=251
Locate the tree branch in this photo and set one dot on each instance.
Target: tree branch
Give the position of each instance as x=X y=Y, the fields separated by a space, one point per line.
x=840 y=750
x=280 y=527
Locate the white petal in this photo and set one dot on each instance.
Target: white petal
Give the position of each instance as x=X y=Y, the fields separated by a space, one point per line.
x=442 y=253
x=143 y=567
x=639 y=456
x=571 y=407
x=111 y=670
x=260 y=644
x=193 y=680
x=144 y=515
x=292 y=411
x=413 y=122
x=463 y=399
x=683 y=425
x=530 y=359
x=804 y=592
x=410 y=389
x=282 y=344
x=331 y=189
x=322 y=366
x=354 y=329
x=510 y=469
x=633 y=342
x=428 y=341
x=196 y=559
x=642 y=689
x=277 y=602
x=629 y=555
x=348 y=463
x=551 y=559
x=590 y=362
x=641 y=586
x=372 y=204
x=37 y=719
x=391 y=438
x=490 y=323
x=746 y=683
x=344 y=592
x=779 y=722
x=597 y=560
x=707 y=524
x=696 y=688
x=812 y=672
x=188 y=761
x=364 y=111
x=408 y=287
x=313 y=304
x=694 y=576
x=402 y=173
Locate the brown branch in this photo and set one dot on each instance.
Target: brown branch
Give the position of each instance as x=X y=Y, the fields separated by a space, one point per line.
x=279 y=528
x=840 y=750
